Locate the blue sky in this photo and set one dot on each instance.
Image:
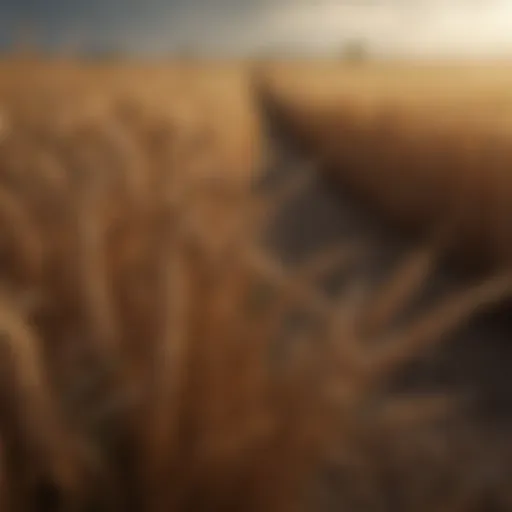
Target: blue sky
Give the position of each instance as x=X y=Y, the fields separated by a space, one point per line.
x=430 y=27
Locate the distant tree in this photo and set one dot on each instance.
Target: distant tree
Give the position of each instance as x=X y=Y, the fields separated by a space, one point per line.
x=101 y=53
x=355 y=51
x=186 y=52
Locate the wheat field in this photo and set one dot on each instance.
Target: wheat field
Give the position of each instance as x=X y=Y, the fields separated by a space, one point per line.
x=151 y=359
x=426 y=145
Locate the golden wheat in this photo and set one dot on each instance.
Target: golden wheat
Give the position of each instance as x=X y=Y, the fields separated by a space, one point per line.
x=149 y=360
x=426 y=146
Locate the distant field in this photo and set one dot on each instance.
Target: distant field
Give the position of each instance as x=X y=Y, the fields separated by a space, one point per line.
x=425 y=145
x=209 y=101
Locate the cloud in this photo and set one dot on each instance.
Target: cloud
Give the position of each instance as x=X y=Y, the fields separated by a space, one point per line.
x=389 y=26
x=392 y=26
x=434 y=27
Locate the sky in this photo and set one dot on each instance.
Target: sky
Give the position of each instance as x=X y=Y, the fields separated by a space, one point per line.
x=154 y=27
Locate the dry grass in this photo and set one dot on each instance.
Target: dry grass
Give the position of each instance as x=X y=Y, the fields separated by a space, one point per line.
x=211 y=101
x=427 y=146
x=135 y=373
x=149 y=361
